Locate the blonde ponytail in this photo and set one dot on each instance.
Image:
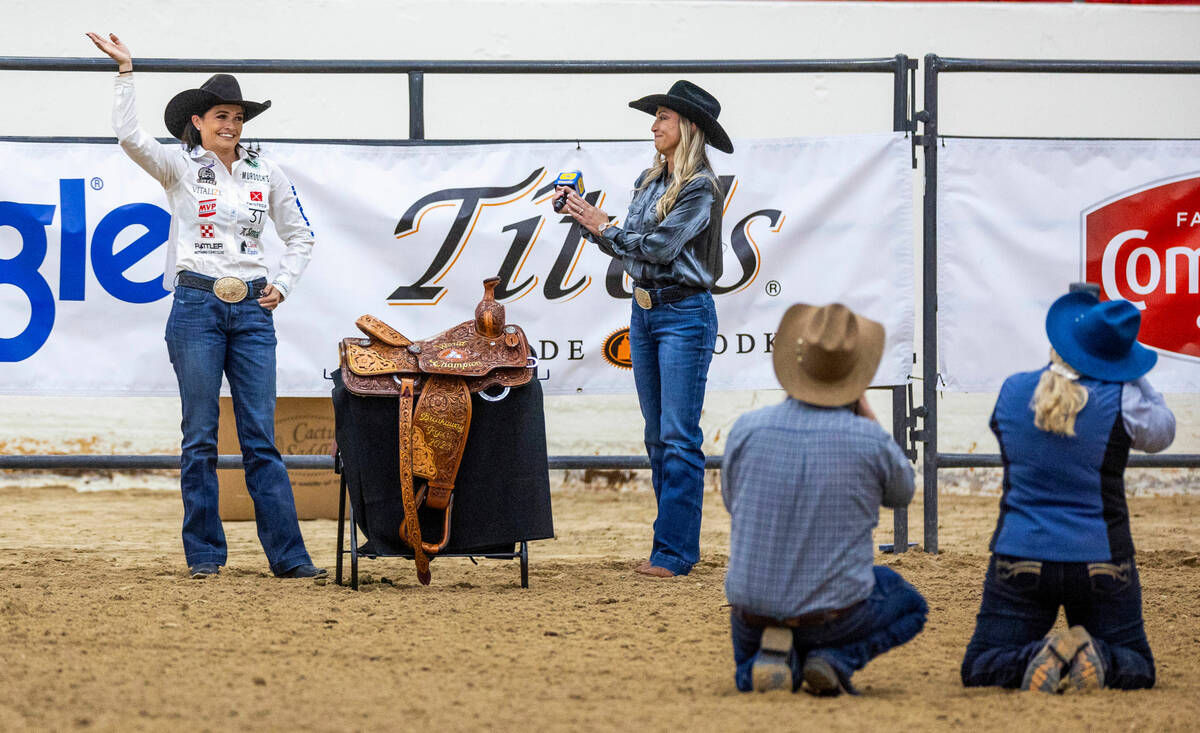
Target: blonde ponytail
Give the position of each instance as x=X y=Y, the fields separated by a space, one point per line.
x=1059 y=397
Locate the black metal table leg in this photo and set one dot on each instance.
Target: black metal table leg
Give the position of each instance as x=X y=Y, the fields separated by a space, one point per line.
x=353 y=550
x=524 y=564
x=341 y=533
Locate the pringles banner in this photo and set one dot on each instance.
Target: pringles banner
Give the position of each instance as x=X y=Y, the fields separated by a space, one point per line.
x=1018 y=220
x=408 y=233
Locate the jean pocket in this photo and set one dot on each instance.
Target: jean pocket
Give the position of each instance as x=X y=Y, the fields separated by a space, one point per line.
x=191 y=296
x=1019 y=575
x=691 y=304
x=1108 y=578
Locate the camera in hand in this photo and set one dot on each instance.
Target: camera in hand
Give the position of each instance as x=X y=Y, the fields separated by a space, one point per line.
x=570 y=179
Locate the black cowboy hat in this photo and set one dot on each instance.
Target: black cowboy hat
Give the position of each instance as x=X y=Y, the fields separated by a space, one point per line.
x=693 y=103
x=219 y=89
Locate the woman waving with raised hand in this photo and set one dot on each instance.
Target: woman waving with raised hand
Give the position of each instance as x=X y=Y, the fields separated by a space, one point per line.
x=219 y=194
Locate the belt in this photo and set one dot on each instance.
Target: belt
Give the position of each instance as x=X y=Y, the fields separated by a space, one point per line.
x=647 y=298
x=228 y=289
x=816 y=618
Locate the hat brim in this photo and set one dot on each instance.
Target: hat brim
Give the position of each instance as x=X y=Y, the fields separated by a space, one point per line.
x=798 y=384
x=714 y=134
x=190 y=102
x=1059 y=329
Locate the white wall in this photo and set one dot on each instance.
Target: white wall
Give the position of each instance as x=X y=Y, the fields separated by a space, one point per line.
x=594 y=106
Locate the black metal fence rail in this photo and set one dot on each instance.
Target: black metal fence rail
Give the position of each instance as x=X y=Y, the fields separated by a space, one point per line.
x=933 y=66
x=900 y=67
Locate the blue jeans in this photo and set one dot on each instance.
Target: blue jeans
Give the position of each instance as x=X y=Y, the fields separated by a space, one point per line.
x=1020 y=604
x=893 y=614
x=206 y=337
x=671 y=346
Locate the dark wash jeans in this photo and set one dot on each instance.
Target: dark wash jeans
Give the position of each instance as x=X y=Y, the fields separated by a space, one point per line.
x=671 y=346
x=1020 y=604
x=205 y=338
x=893 y=614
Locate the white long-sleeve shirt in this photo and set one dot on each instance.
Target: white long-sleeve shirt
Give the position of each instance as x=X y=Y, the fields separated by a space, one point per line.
x=217 y=217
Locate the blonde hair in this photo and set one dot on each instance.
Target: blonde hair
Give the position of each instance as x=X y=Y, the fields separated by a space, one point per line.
x=691 y=161
x=1058 y=398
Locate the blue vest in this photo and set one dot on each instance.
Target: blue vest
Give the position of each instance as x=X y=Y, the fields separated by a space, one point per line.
x=1064 y=497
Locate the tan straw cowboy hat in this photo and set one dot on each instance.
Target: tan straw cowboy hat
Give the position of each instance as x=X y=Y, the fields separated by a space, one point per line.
x=826 y=355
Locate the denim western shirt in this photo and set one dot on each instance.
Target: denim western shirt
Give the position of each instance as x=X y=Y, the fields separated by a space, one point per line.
x=803 y=485
x=668 y=252
x=1064 y=496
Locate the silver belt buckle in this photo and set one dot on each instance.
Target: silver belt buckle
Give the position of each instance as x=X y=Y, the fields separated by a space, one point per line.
x=231 y=289
x=643 y=298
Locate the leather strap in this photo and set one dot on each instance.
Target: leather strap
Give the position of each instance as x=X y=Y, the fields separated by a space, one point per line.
x=816 y=618
x=410 y=531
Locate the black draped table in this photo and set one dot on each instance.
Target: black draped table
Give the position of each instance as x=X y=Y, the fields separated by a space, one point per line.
x=501 y=494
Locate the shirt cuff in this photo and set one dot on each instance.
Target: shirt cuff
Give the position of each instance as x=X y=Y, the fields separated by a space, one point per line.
x=282 y=288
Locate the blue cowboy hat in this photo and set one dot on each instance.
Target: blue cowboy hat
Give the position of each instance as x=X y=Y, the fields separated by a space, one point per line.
x=1099 y=340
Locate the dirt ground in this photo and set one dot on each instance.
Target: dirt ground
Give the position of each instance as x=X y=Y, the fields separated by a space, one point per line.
x=102 y=630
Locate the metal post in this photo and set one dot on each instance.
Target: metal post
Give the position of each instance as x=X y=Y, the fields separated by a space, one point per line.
x=900 y=92
x=416 y=105
x=900 y=433
x=900 y=97
x=929 y=370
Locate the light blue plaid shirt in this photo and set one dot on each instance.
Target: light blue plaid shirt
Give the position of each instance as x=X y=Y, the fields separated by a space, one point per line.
x=803 y=485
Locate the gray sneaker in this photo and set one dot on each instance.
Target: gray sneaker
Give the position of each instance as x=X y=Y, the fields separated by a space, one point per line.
x=1044 y=672
x=1087 y=666
x=772 y=670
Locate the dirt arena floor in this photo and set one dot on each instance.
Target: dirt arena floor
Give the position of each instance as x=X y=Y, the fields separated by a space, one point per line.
x=102 y=630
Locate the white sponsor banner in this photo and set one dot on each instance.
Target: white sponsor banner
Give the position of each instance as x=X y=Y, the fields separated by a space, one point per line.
x=1018 y=220
x=407 y=233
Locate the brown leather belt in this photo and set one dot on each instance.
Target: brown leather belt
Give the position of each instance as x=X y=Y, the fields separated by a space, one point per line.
x=816 y=618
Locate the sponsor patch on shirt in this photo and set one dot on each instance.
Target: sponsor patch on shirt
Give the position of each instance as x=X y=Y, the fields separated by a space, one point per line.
x=206 y=175
x=249 y=248
x=257 y=201
x=207 y=231
x=259 y=177
x=208 y=207
x=210 y=248
x=251 y=232
x=202 y=190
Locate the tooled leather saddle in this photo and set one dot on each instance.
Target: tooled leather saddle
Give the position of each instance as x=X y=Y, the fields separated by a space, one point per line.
x=439 y=373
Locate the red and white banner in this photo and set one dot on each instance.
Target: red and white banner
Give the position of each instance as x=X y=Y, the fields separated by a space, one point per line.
x=408 y=234
x=1018 y=220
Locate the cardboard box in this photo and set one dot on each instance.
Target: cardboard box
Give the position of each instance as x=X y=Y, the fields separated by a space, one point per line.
x=303 y=425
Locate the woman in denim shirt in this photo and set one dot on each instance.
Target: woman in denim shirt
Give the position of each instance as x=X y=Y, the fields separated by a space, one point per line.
x=1063 y=537
x=670 y=247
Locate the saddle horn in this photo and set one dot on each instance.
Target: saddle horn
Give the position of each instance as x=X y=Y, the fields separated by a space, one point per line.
x=489 y=315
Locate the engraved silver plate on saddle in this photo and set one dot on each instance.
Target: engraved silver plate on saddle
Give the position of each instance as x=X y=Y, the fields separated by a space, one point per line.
x=643 y=298
x=231 y=289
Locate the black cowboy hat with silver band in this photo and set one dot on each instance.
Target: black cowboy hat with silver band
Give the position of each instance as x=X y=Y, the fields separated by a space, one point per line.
x=219 y=89
x=693 y=103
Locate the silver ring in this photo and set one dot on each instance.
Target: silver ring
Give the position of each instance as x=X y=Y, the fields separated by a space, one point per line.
x=483 y=395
